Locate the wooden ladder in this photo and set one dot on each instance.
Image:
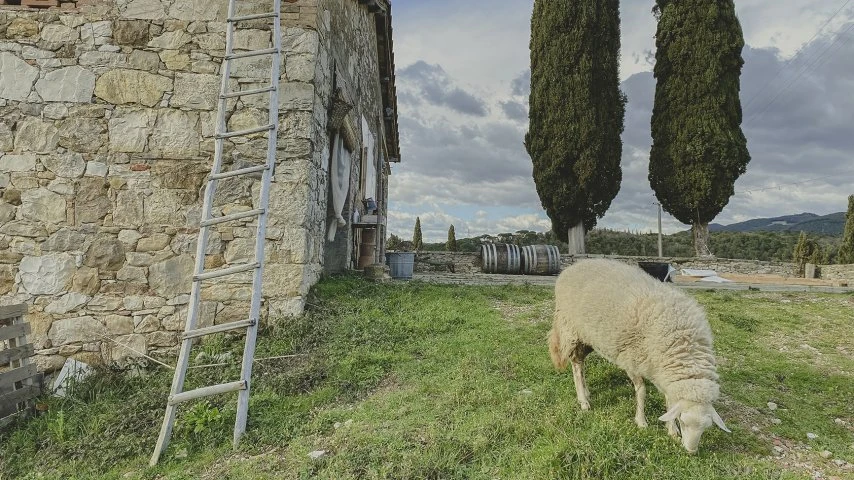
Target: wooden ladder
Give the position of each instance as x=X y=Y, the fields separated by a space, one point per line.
x=249 y=326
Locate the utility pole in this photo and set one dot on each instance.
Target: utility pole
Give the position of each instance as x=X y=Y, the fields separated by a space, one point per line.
x=660 y=249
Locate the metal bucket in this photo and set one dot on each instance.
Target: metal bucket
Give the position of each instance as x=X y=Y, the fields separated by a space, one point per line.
x=540 y=260
x=400 y=264
x=500 y=258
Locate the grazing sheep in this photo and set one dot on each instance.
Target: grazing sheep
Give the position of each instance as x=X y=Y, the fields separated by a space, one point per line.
x=651 y=330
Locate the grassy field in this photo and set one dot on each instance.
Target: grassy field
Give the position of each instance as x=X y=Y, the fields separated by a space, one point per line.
x=418 y=381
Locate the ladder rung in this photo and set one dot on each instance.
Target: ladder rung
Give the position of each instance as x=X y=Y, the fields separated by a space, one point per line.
x=248 y=131
x=254 y=16
x=241 y=93
x=200 y=332
x=207 y=392
x=252 y=53
x=225 y=271
x=232 y=217
x=239 y=171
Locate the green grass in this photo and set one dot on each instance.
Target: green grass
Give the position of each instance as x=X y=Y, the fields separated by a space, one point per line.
x=418 y=381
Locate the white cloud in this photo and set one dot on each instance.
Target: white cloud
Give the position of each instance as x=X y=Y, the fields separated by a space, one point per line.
x=471 y=168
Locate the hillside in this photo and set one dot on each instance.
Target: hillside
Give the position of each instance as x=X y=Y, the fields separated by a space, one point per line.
x=832 y=224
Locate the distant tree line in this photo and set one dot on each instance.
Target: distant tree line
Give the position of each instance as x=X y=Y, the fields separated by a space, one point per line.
x=785 y=246
x=767 y=246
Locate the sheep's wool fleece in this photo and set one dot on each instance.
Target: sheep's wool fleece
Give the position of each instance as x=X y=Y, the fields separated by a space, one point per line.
x=644 y=326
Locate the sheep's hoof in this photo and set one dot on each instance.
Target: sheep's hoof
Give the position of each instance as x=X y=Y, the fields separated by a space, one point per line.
x=641 y=422
x=585 y=405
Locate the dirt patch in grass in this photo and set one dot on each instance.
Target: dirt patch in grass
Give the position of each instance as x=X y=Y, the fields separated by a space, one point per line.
x=531 y=313
x=388 y=385
x=826 y=362
x=789 y=454
x=797 y=456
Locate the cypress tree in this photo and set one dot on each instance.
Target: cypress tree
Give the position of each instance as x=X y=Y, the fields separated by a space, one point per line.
x=698 y=149
x=806 y=251
x=393 y=242
x=417 y=241
x=451 y=244
x=576 y=111
x=846 y=250
x=800 y=253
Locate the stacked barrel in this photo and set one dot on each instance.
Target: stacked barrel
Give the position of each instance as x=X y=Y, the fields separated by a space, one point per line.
x=540 y=260
x=512 y=259
x=501 y=258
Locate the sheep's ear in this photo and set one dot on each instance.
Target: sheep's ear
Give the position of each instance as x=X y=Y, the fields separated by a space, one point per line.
x=719 y=421
x=671 y=414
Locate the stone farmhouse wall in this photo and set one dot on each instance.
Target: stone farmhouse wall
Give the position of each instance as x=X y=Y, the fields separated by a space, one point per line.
x=107 y=113
x=347 y=55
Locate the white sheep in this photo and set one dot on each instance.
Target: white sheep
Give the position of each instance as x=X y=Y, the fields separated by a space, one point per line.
x=649 y=329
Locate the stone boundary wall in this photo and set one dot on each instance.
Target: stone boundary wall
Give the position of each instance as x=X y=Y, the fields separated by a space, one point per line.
x=451 y=262
x=720 y=265
x=106 y=137
x=467 y=262
x=837 y=272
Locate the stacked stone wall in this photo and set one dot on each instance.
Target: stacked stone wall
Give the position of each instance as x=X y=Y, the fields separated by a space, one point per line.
x=107 y=117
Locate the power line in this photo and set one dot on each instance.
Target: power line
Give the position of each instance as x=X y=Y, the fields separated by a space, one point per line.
x=776 y=187
x=839 y=35
x=797 y=53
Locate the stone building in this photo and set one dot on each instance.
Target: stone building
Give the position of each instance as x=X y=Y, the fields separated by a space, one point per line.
x=107 y=113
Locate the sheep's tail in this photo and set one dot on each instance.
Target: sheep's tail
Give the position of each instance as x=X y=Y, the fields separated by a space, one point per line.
x=558 y=352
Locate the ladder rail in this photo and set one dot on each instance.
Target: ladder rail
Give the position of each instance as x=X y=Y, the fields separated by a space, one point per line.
x=233 y=217
x=251 y=53
x=260 y=237
x=223 y=327
x=207 y=391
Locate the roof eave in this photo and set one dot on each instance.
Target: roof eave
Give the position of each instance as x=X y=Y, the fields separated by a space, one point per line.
x=385 y=52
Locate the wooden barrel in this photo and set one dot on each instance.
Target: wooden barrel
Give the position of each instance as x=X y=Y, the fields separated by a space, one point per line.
x=500 y=258
x=367 y=248
x=540 y=260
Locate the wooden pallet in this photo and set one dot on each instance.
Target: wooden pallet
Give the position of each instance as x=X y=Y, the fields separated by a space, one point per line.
x=20 y=382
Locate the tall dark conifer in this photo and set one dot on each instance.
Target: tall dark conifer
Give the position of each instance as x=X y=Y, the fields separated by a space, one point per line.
x=417 y=240
x=576 y=111
x=698 y=149
x=451 y=244
x=846 y=250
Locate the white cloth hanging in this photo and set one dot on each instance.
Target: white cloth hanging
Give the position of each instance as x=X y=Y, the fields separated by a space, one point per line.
x=370 y=163
x=340 y=184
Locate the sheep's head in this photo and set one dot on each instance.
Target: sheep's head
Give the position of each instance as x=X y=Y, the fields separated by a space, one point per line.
x=694 y=418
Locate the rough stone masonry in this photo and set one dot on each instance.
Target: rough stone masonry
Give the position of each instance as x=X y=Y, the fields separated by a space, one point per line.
x=107 y=112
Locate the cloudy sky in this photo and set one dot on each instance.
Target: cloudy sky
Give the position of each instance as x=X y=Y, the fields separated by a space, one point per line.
x=463 y=80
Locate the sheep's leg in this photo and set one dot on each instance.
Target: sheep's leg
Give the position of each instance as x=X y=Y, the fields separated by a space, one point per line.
x=577 y=355
x=580 y=386
x=640 y=393
x=672 y=429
